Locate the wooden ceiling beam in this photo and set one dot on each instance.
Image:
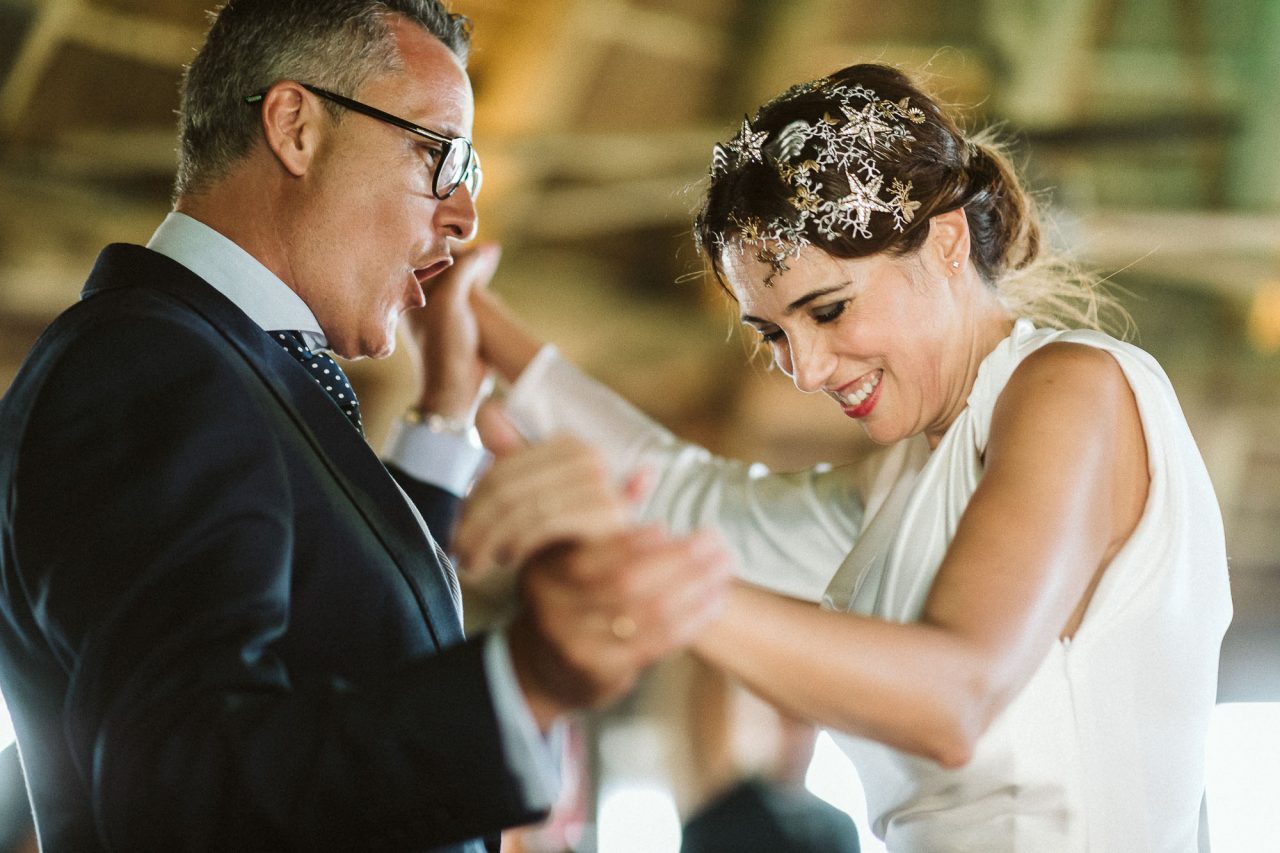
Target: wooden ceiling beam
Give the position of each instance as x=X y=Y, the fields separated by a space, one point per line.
x=111 y=153
x=1234 y=253
x=608 y=156
x=782 y=37
x=550 y=51
x=136 y=37
x=1047 y=45
x=659 y=33
x=47 y=33
x=58 y=22
x=584 y=212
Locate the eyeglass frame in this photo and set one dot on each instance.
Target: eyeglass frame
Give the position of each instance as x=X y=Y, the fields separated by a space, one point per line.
x=471 y=167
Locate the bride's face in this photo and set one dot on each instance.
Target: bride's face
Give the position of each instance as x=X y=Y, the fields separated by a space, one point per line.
x=880 y=336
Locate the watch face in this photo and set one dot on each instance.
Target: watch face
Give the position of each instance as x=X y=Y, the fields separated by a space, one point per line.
x=457 y=424
x=440 y=423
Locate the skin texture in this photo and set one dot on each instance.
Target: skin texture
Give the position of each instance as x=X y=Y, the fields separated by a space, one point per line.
x=554 y=493
x=1065 y=484
x=1059 y=496
x=343 y=213
x=534 y=504
x=914 y=322
x=1064 y=487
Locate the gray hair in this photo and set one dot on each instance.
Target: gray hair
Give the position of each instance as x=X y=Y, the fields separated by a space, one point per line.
x=252 y=44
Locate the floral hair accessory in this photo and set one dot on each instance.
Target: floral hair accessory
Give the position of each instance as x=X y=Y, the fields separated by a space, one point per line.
x=849 y=144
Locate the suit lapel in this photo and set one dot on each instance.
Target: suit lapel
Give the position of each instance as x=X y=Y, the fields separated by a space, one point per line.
x=353 y=465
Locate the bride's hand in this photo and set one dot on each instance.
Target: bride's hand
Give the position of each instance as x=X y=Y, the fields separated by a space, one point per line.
x=445 y=337
x=506 y=344
x=535 y=496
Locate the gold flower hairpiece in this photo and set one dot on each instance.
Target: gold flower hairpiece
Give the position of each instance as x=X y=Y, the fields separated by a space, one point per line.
x=849 y=145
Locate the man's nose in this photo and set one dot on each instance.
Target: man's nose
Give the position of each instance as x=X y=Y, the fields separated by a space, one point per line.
x=456 y=215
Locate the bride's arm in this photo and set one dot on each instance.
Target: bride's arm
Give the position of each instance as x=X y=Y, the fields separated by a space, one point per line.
x=1064 y=486
x=790 y=531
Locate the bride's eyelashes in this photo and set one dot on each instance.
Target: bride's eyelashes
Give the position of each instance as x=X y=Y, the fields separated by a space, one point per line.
x=821 y=316
x=830 y=313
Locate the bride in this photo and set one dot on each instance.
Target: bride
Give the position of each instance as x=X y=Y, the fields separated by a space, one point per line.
x=1011 y=614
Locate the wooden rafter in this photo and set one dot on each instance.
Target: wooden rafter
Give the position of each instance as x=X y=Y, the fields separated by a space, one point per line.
x=47 y=33
x=136 y=37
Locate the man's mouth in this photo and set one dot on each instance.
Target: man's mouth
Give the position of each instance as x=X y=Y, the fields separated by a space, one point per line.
x=432 y=269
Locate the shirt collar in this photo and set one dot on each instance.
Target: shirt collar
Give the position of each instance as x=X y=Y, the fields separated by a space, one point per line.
x=237 y=275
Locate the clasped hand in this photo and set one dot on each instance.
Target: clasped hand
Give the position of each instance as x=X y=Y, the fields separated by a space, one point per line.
x=600 y=598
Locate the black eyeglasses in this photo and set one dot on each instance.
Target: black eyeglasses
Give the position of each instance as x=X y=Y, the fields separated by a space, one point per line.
x=458 y=163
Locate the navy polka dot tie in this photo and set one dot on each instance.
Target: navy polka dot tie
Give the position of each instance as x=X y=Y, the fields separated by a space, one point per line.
x=325 y=371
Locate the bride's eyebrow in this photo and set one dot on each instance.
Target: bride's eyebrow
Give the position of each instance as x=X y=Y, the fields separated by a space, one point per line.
x=801 y=302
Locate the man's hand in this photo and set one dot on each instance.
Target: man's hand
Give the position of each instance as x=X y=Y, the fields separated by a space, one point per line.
x=445 y=337
x=599 y=600
x=536 y=496
x=594 y=615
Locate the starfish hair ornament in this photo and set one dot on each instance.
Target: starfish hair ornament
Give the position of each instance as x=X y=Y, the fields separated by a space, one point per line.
x=748 y=142
x=850 y=141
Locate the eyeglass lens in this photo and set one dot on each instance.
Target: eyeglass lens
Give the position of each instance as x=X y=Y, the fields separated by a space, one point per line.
x=460 y=166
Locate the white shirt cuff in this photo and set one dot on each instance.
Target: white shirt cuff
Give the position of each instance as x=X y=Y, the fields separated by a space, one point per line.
x=445 y=459
x=531 y=757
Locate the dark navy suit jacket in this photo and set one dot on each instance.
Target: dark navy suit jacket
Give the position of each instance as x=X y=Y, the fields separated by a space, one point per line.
x=221 y=627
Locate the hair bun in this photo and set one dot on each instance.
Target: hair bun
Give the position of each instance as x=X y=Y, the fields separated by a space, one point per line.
x=1003 y=226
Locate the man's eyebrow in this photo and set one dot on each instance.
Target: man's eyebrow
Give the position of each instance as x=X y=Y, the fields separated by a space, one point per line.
x=801 y=302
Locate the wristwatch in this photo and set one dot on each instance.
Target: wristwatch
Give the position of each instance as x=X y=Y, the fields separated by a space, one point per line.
x=454 y=425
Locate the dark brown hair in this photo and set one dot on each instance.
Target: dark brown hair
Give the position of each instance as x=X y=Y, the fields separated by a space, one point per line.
x=945 y=169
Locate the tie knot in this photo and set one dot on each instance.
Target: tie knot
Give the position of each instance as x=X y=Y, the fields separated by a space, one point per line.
x=325 y=371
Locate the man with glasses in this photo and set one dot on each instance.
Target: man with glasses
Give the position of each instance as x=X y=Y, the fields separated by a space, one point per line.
x=226 y=625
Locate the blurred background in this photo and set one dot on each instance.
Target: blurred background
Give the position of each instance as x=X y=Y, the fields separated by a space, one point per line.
x=1151 y=126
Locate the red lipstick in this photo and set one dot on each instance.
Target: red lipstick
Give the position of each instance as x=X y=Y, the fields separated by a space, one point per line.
x=864 y=408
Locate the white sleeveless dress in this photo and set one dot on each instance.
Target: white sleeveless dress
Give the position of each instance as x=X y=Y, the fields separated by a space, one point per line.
x=1103 y=749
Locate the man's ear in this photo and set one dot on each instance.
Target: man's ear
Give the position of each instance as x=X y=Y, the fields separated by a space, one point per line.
x=947 y=246
x=292 y=123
